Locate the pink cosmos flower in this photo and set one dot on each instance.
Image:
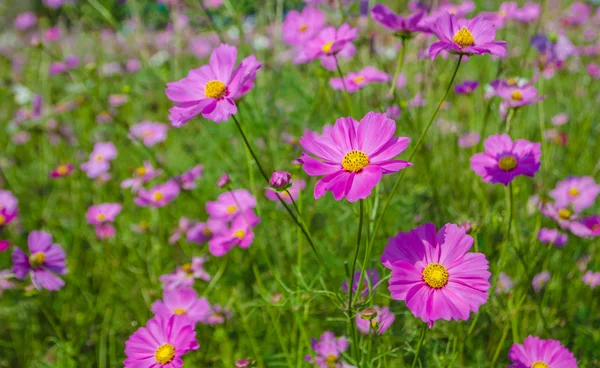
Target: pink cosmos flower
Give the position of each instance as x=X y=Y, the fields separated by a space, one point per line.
x=553 y=236
x=575 y=192
x=540 y=280
x=202 y=232
x=466 y=87
x=184 y=302
x=300 y=27
x=25 y=20
x=374 y=320
x=4 y=245
x=210 y=89
x=355 y=156
x=435 y=275
x=51 y=34
x=566 y=219
x=46 y=260
x=356 y=81
x=161 y=343
x=593 y=70
x=183 y=227
x=217 y=315
x=294 y=191
x=404 y=26
x=505 y=284
x=468 y=139
x=393 y=111
x=577 y=14
x=230 y=204
x=99 y=161
x=184 y=276
x=159 y=195
x=239 y=233
x=105 y=231
x=370 y=280
x=187 y=180
x=516 y=95
x=328 y=350
x=465 y=37
x=5 y=282
x=592 y=223
x=280 y=180
x=538 y=353
x=105 y=212
x=8 y=207
x=150 y=133
x=57 y=68
x=560 y=119
x=133 y=65
x=330 y=41
x=507 y=11
x=529 y=12
x=504 y=160
x=592 y=279
x=223 y=181
x=141 y=176
x=61 y=171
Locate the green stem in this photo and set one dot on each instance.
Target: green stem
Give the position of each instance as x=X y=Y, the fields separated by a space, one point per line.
x=500 y=344
x=398 y=67
x=509 y=206
x=351 y=281
x=339 y=70
x=541 y=118
x=423 y=333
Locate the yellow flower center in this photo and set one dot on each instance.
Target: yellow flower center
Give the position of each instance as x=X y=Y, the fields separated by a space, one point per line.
x=564 y=214
x=62 y=169
x=37 y=259
x=101 y=217
x=435 y=275
x=331 y=360
x=303 y=28
x=164 y=353
x=179 y=311
x=574 y=192
x=502 y=13
x=2 y=220
x=375 y=325
x=355 y=161
x=517 y=96
x=595 y=227
x=158 y=196
x=239 y=234
x=147 y=134
x=99 y=158
x=464 y=37
x=507 y=163
x=187 y=268
x=231 y=209
x=358 y=80
x=206 y=231
x=140 y=171
x=540 y=365
x=327 y=47
x=215 y=89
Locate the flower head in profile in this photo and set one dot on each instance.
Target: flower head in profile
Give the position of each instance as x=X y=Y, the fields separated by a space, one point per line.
x=354 y=157
x=538 y=353
x=375 y=320
x=150 y=133
x=187 y=180
x=45 y=261
x=465 y=37
x=105 y=212
x=405 y=27
x=184 y=302
x=540 y=280
x=184 y=276
x=239 y=234
x=211 y=89
x=8 y=207
x=466 y=87
x=230 y=204
x=504 y=160
x=434 y=273
x=141 y=175
x=328 y=350
x=159 y=195
x=202 y=232
x=300 y=27
x=355 y=81
x=552 y=236
x=291 y=194
x=161 y=343
x=578 y=193
x=592 y=223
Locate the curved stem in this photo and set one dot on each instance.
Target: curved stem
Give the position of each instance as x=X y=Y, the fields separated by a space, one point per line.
x=423 y=333
x=339 y=70
x=398 y=67
x=351 y=281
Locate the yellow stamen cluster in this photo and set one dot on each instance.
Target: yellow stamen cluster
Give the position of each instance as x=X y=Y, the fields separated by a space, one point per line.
x=179 y=311
x=435 y=275
x=37 y=259
x=355 y=161
x=564 y=214
x=187 y=268
x=540 y=365
x=101 y=217
x=507 y=163
x=359 y=79
x=62 y=170
x=239 y=234
x=327 y=47
x=164 y=354
x=574 y=192
x=206 y=231
x=158 y=196
x=2 y=220
x=215 y=89
x=231 y=209
x=517 y=96
x=464 y=38
x=303 y=28
x=331 y=360
x=140 y=171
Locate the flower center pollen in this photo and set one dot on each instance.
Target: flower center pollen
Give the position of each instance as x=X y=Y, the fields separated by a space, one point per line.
x=215 y=89
x=574 y=192
x=355 y=161
x=327 y=47
x=231 y=209
x=187 y=268
x=179 y=311
x=540 y=365
x=164 y=353
x=158 y=196
x=464 y=37
x=359 y=79
x=564 y=214
x=62 y=169
x=239 y=234
x=140 y=171
x=101 y=217
x=435 y=275
x=517 y=96
x=37 y=259
x=303 y=28
x=2 y=220
x=507 y=163
x=331 y=360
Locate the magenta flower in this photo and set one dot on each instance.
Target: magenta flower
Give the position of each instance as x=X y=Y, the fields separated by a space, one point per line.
x=230 y=204
x=507 y=11
x=159 y=195
x=370 y=280
x=8 y=207
x=105 y=231
x=592 y=223
x=4 y=245
x=99 y=161
x=540 y=280
x=294 y=191
x=105 y=212
x=374 y=320
x=553 y=236
x=393 y=111
x=223 y=181
x=330 y=41
x=560 y=119
x=516 y=95
x=202 y=232
x=117 y=100
x=51 y=34
x=150 y=133
x=210 y=89
x=468 y=139
x=61 y=171
x=504 y=160
x=187 y=180
x=566 y=219
x=141 y=176
x=300 y=27
x=161 y=343
x=184 y=302
x=133 y=65
x=529 y=12
x=217 y=315
x=356 y=81
x=25 y=20
x=465 y=37
x=46 y=260
x=184 y=276
x=183 y=227
x=466 y=87
x=575 y=192
x=538 y=353
x=404 y=26
x=590 y=278
x=435 y=275
x=505 y=284
x=355 y=156
x=239 y=233
x=57 y=68
x=328 y=350
x=280 y=180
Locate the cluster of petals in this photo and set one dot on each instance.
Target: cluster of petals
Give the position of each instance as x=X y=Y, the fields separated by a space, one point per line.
x=99 y=160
